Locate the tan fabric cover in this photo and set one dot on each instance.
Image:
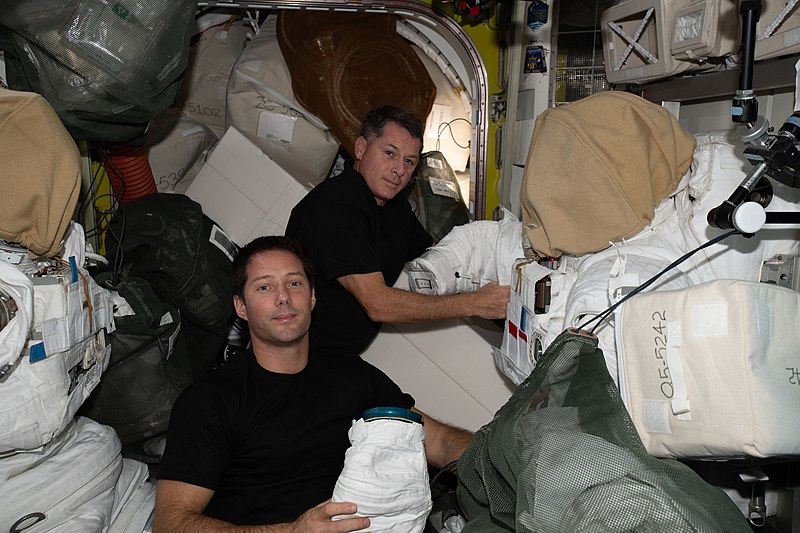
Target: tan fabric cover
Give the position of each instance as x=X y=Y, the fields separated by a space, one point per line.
x=40 y=173
x=596 y=170
x=344 y=64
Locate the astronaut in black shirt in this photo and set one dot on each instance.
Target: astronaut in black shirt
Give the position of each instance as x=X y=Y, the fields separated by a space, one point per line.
x=360 y=233
x=262 y=440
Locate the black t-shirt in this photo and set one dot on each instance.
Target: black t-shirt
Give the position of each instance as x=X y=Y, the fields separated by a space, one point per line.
x=271 y=445
x=347 y=232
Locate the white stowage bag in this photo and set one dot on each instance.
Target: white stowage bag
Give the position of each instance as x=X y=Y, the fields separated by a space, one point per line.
x=68 y=485
x=469 y=257
x=713 y=370
x=177 y=147
x=211 y=58
x=386 y=475
x=261 y=104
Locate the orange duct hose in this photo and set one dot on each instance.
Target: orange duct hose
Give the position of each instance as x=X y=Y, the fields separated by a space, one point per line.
x=129 y=172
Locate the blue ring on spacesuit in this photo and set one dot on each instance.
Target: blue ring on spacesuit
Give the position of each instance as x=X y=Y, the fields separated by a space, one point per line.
x=391 y=413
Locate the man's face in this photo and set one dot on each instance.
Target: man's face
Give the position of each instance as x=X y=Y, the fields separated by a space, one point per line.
x=278 y=299
x=387 y=161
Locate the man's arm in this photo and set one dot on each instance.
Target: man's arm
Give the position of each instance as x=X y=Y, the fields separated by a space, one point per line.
x=387 y=304
x=179 y=508
x=443 y=444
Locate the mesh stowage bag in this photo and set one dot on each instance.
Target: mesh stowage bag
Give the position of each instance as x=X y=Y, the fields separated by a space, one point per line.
x=106 y=68
x=563 y=455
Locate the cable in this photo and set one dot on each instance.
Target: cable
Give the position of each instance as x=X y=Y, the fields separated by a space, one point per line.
x=605 y=314
x=118 y=260
x=83 y=202
x=452 y=136
x=445 y=468
x=115 y=208
x=196 y=257
x=101 y=227
x=104 y=214
x=118 y=195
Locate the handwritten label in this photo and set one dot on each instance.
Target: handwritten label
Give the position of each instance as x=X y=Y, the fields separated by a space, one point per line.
x=659 y=319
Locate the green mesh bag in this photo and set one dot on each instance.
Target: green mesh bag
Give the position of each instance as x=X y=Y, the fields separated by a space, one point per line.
x=563 y=455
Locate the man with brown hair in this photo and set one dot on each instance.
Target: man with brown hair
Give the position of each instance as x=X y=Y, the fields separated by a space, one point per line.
x=260 y=442
x=360 y=232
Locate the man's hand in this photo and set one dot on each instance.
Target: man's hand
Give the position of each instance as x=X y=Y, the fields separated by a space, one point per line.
x=318 y=519
x=492 y=300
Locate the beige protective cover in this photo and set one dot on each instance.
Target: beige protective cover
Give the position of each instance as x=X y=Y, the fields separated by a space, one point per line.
x=596 y=170
x=344 y=64
x=40 y=173
x=713 y=370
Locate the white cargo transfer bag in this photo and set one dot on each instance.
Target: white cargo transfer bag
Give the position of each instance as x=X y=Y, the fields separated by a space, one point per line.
x=136 y=512
x=211 y=58
x=67 y=486
x=713 y=370
x=177 y=147
x=63 y=360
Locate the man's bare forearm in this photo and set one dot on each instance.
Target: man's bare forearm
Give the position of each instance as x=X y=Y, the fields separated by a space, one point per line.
x=388 y=304
x=316 y=519
x=443 y=443
x=192 y=523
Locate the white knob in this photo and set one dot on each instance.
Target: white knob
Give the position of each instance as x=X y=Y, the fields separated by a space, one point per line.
x=749 y=217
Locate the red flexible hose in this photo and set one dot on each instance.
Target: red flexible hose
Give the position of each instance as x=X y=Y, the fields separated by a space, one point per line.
x=129 y=172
